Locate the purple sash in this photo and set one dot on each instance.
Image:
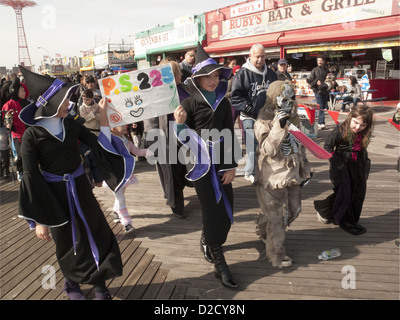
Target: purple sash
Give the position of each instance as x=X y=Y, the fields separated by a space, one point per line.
x=216 y=182
x=204 y=162
x=73 y=202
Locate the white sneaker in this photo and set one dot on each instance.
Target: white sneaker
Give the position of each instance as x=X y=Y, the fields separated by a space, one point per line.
x=321 y=126
x=287 y=262
x=249 y=177
x=321 y=219
x=115 y=217
x=129 y=228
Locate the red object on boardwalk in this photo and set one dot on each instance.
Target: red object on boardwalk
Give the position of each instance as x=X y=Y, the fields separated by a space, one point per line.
x=310 y=145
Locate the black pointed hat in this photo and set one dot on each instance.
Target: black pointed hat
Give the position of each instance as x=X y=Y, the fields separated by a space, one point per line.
x=47 y=94
x=204 y=65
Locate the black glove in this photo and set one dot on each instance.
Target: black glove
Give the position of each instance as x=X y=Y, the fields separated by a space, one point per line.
x=249 y=109
x=283 y=117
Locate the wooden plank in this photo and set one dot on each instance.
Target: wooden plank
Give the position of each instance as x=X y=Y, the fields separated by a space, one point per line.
x=162 y=259
x=144 y=281
x=156 y=284
x=167 y=288
x=179 y=292
x=134 y=276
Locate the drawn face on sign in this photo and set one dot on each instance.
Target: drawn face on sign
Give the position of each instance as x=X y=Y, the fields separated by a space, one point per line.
x=140 y=95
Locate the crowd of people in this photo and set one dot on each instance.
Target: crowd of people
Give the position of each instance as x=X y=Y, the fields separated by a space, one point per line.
x=64 y=148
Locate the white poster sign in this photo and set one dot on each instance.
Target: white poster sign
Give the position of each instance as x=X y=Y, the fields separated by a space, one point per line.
x=139 y=95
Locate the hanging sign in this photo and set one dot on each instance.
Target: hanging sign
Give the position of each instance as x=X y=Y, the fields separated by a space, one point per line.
x=139 y=95
x=387 y=54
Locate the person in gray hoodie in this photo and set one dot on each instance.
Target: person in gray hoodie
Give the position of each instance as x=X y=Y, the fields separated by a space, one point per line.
x=249 y=89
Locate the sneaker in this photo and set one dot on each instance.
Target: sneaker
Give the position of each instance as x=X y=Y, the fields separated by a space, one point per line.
x=287 y=262
x=128 y=228
x=321 y=126
x=321 y=219
x=249 y=177
x=116 y=217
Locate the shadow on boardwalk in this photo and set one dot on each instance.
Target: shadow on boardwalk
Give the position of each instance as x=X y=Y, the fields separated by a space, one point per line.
x=162 y=259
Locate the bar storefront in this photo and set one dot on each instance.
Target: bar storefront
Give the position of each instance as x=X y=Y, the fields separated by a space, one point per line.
x=357 y=37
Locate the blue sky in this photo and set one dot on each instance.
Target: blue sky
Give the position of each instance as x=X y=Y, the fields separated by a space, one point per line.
x=70 y=26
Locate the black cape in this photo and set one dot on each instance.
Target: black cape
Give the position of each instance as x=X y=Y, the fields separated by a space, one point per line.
x=349 y=179
x=46 y=203
x=201 y=115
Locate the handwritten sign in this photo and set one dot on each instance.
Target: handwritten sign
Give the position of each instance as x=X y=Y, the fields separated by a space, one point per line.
x=139 y=95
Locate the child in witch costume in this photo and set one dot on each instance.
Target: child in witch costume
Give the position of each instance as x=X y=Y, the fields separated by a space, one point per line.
x=349 y=170
x=55 y=194
x=207 y=109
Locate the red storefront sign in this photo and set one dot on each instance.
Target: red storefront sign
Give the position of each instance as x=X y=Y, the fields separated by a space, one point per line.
x=302 y=22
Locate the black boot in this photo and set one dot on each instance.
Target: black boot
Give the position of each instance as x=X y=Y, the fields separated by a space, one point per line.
x=221 y=268
x=205 y=249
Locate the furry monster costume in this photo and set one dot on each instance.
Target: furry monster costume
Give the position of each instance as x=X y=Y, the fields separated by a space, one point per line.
x=281 y=167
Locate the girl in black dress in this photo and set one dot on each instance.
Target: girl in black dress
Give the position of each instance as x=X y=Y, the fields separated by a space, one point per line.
x=349 y=170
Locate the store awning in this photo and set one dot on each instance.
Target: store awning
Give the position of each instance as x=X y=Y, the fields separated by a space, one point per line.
x=241 y=44
x=359 y=30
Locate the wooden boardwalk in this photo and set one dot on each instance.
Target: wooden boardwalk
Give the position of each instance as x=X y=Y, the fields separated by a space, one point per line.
x=162 y=259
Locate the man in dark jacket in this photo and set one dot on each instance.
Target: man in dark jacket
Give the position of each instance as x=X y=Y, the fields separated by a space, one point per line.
x=320 y=89
x=282 y=72
x=187 y=64
x=249 y=89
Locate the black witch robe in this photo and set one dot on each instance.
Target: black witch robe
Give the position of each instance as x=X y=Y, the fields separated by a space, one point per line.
x=215 y=204
x=349 y=170
x=46 y=203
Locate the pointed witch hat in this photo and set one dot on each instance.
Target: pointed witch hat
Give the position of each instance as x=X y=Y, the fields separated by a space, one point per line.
x=47 y=94
x=204 y=65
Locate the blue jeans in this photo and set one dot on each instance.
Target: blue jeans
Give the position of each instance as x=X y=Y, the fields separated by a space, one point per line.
x=349 y=100
x=322 y=100
x=251 y=145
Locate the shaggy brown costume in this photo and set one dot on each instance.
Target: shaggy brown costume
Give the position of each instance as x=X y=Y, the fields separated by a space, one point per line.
x=279 y=172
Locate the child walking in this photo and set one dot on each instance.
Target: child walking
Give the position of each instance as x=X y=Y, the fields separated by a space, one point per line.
x=55 y=195
x=207 y=109
x=349 y=170
x=121 y=213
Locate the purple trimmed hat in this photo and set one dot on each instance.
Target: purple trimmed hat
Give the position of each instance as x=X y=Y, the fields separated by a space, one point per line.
x=204 y=65
x=282 y=61
x=47 y=94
